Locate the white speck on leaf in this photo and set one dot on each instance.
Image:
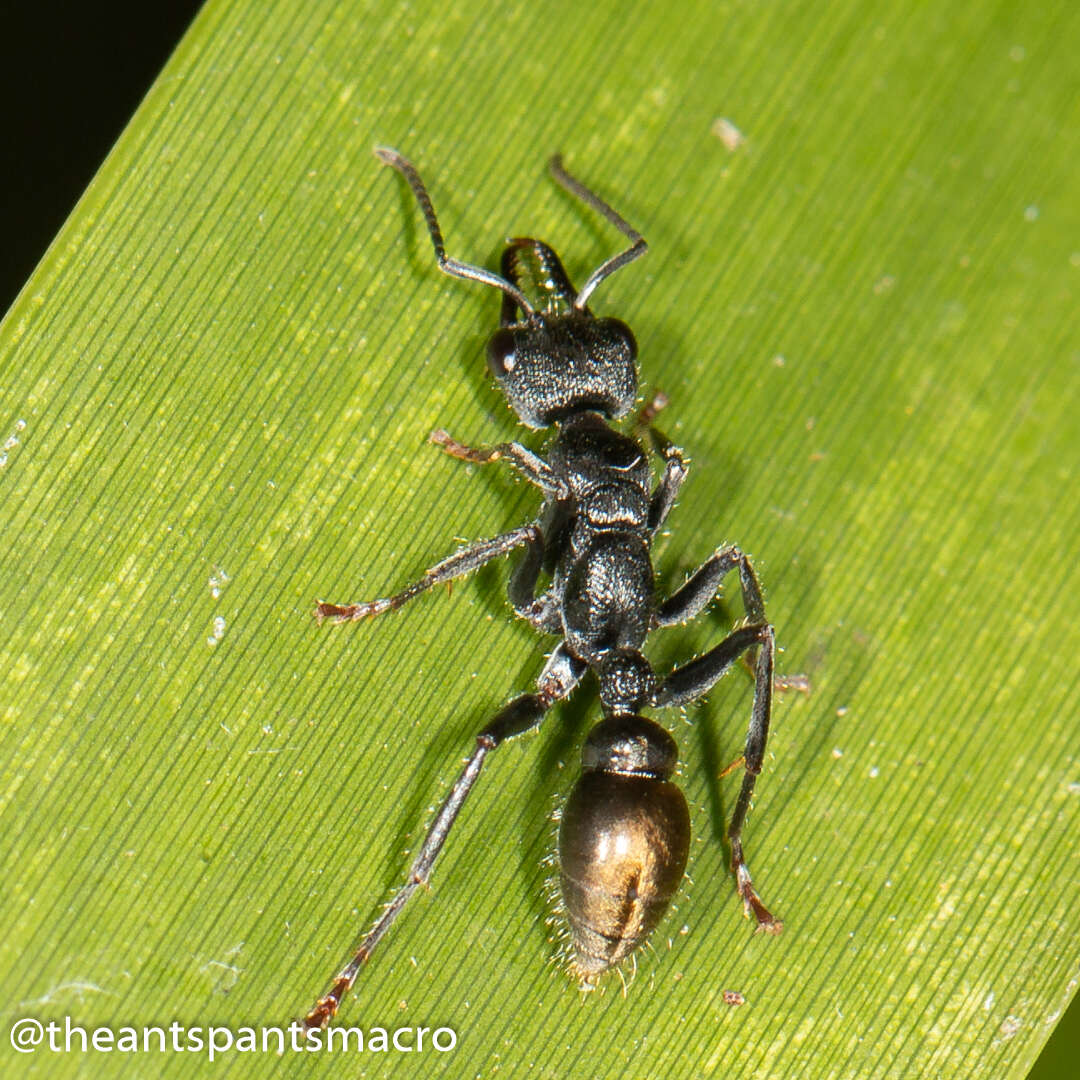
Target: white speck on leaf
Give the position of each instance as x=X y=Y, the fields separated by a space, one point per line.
x=728 y=133
x=217 y=631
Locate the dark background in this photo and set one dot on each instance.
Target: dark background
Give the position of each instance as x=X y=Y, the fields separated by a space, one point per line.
x=71 y=75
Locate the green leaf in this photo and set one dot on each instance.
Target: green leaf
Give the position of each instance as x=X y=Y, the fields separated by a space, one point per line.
x=861 y=302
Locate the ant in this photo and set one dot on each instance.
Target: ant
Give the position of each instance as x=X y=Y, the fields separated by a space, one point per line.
x=624 y=835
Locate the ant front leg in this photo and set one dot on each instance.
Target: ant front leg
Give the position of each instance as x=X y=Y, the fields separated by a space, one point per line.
x=457 y=565
x=539 y=611
x=675 y=465
x=667 y=491
x=559 y=677
x=533 y=467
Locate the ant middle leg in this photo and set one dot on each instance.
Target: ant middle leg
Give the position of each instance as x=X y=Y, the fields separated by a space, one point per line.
x=693 y=597
x=457 y=565
x=559 y=677
x=541 y=611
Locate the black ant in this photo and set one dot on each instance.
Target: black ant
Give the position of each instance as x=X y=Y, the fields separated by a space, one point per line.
x=625 y=830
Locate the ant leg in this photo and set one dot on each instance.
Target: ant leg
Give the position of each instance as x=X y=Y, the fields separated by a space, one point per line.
x=667 y=491
x=695 y=679
x=649 y=411
x=591 y=199
x=453 y=267
x=691 y=681
x=692 y=598
x=540 y=611
x=457 y=565
x=533 y=467
x=675 y=467
x=753 y=757
x=522 y=715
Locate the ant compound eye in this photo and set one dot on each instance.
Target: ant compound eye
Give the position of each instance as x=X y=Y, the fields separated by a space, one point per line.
x=512 y=357
x=502 y=349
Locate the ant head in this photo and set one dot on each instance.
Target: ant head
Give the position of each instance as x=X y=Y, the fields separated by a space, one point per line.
x=552 y=365
x=550 y=369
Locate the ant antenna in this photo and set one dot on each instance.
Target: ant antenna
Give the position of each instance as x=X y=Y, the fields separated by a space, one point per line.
x=388 y=156
x=590 y=198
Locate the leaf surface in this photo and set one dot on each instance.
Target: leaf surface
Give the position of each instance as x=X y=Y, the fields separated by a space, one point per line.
x=860 y=300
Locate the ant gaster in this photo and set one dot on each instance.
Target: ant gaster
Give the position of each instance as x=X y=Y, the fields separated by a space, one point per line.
x=625 y=830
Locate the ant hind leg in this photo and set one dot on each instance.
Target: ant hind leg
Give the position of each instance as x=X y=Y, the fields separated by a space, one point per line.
x=559 y=677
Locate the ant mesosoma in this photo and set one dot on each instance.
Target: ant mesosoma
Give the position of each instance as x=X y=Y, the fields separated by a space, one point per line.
x=625 y=830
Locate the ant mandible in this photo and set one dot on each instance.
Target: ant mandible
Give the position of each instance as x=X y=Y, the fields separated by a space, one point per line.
x=625 y=830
